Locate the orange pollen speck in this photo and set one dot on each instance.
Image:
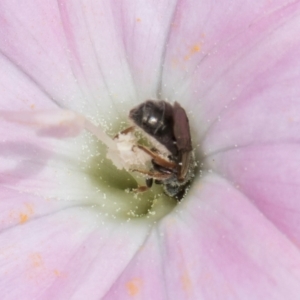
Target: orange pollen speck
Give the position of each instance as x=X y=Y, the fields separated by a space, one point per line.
x=23 y=218
x=133 y=287
x=194 y=49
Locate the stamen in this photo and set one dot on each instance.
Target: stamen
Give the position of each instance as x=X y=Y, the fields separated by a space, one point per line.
x=66 y=123
x=57 y=123
x=100 y=134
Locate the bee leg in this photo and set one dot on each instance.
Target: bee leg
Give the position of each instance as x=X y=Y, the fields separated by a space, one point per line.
x=153 y=174
x=154 y=150
x=158 y=159
x=144 y=188
x=140 y=189
x=125 y=131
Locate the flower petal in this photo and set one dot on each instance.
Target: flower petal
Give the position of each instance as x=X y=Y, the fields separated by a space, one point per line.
x=252 y=140
x=217 y=245
x=221 y=55
x=60 y=253
x=269 y=175
x=90 y=56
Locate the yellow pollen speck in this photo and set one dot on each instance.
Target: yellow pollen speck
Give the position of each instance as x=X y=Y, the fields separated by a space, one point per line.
x=138 y=19
x=24 y=215
x=194 y=49
x=23 y=218
x=134 y=286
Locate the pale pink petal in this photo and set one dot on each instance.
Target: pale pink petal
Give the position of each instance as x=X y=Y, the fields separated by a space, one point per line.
x=34 y=45
x=270 y=176
x=236 y=47
x=252 y=131
x=51 y=252
x=88 y=56
x=216 y=245
x=144 y=27
x=18 y=91
x=263 y=104
x=30 y=164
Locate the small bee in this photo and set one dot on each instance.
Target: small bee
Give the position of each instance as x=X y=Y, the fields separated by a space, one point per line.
x=167 y=127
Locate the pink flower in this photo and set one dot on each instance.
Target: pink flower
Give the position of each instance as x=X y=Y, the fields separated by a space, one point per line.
x=233 y=65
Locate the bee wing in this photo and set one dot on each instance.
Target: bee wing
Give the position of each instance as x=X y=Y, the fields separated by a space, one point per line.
x=183 y=140
x=185 y=165
x=181 y=129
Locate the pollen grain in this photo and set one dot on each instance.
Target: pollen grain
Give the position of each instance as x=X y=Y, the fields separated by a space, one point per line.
x=23 y=218
x=194 y=49
x=134 y=286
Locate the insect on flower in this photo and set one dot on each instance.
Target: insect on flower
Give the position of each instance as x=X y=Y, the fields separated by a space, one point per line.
x=166 y=127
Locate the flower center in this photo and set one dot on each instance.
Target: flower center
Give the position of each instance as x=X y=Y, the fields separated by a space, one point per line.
x=117 y=195
x=147 y=168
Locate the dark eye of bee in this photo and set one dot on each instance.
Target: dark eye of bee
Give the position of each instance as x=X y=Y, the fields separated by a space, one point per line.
x=153 y=117
x=156 y=119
